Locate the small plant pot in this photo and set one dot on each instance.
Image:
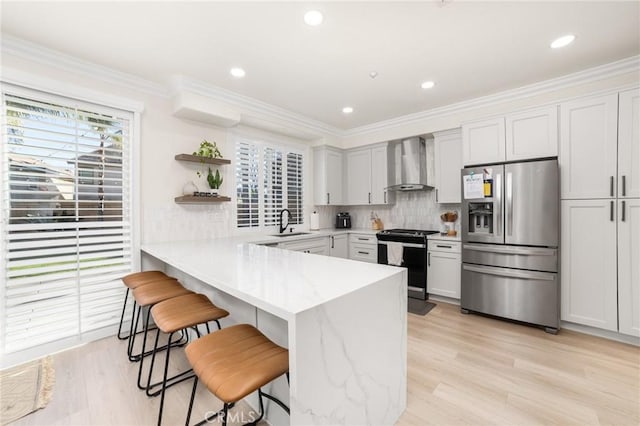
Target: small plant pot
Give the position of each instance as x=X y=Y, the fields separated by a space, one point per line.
x=213 y=192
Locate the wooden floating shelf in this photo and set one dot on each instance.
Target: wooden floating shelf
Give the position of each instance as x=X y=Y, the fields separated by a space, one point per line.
x=198 y=159
x=190 y=199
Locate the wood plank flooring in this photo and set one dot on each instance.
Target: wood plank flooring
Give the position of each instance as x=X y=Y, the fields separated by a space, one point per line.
x=462 y=369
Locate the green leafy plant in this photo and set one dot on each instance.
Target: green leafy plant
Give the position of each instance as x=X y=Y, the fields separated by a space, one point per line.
x=207 y=150
x=214 y=180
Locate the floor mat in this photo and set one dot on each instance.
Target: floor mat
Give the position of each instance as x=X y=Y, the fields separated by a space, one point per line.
x=25 y=388
x=420 y=307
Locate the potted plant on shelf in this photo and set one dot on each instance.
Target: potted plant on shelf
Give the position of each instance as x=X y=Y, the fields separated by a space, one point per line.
x=214 y=180
x=207 y=150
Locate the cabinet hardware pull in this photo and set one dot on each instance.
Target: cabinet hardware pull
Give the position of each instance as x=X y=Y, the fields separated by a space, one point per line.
x=385 y=197
x=328 y=198
x=363 y=252
x=611 y=212
x=441 y=246
x=428 y=259
x=624 y=185
x=363 y=239
x=369 y=198
x=623 y=209
x=332 y=241
x=611 y=186
x=436 y=195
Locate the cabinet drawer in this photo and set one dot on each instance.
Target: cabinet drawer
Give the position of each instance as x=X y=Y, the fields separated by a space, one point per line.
x=363 y=238
x=363 y=252
x=449 y=246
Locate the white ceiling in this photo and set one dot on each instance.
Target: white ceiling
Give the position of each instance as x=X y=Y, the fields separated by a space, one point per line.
x=469 y=48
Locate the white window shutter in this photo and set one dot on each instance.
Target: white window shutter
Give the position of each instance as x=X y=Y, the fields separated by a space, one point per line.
x=67 y=218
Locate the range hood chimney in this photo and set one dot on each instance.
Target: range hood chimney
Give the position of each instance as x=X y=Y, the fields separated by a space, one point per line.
x=408 y=165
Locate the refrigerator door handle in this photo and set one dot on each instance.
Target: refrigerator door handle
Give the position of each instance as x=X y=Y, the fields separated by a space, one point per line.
x=508 y=186
x=510 y=273
x=511 y=250
x=498 y=205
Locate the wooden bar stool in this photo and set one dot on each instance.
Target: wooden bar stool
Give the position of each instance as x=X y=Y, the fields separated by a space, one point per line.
x=146 y=296
x=233 y=363
x=132 y=281
x=173 y=315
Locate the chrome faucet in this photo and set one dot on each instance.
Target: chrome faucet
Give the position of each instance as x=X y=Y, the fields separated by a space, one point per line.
x=282 y=228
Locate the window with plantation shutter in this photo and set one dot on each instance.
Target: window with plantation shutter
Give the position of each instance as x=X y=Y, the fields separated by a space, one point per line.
x=268 y=178
x=66 y=217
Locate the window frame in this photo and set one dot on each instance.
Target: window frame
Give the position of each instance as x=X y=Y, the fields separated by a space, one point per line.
x=286 y=145
x=49 y=90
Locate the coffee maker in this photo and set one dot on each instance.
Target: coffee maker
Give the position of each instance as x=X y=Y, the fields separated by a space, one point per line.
x=343 y=220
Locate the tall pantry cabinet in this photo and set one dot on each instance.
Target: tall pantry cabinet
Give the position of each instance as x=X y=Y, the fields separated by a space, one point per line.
x=600 y=190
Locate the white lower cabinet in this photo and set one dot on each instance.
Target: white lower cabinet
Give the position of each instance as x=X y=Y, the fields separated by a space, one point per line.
x=629 y=266
x=319 y=245
x=363 y=247
x=588 y=263
x=443 y=268
x=339 y=246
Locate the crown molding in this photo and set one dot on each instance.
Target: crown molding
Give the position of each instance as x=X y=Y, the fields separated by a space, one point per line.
x=251 y=106
x=54 y=58
x=600 y=72
x=259 y=113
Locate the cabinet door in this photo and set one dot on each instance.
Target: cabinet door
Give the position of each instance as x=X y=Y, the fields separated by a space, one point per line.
x=448 y=162
x=588 y=153
x=443 y=274
x=629 y=144
x=379 y=176
x=483 y=142
x=532 y=134
x=334 y=177
x=588 y=263
x=359 y=176
x=339 y=246
x=629 y=266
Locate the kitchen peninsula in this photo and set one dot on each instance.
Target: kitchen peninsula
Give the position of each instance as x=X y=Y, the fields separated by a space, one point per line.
x=344 y=323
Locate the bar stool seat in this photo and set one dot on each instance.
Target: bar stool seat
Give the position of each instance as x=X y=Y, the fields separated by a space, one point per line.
x=145 y=297
x=171 y=316
x=235 y=362
x=135 y=280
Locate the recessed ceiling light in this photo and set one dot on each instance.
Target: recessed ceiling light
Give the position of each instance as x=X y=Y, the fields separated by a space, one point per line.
x=237 y=72
x=562 y=41
x=347 y=110
x=427 y=84
x=313 y=18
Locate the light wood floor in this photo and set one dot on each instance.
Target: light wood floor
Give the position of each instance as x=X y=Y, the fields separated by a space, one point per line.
x=463 y=369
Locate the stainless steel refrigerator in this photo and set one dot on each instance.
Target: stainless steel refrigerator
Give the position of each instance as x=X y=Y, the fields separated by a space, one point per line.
x=510 y=218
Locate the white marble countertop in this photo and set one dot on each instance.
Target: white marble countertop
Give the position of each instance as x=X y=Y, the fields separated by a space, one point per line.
x=278 y=281
x=443 y=237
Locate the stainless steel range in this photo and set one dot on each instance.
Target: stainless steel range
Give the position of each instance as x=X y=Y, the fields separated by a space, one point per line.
x=407 y=248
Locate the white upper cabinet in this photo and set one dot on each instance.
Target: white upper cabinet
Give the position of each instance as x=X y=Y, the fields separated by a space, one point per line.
x=522 y=135
x=358 y=176
x=448 y=162
x=327 y=171
x=629 y=144
x=379 y=175
x=588 y=153
x=367 y=177
x=483 y=141
x=532 y=134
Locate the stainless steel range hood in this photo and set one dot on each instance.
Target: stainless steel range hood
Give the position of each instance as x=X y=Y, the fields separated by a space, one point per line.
x=408 y=165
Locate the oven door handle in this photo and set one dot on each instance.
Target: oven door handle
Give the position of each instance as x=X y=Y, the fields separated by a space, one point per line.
x=414 y=245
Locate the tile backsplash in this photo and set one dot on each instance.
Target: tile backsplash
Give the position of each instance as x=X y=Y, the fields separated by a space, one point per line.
x=412 y=210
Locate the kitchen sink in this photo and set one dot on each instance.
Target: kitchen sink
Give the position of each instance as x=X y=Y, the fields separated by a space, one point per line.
x=290 y=234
